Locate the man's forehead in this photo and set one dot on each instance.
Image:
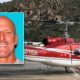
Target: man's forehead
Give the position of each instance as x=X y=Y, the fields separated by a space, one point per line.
x=5 y=22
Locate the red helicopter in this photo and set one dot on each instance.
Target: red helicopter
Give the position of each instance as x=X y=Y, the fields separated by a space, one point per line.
x=55 y=51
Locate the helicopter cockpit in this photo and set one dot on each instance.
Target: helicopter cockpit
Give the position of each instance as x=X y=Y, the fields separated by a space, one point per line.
x=77 y=51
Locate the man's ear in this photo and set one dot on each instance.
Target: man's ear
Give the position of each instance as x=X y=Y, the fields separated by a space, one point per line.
x=16 y=39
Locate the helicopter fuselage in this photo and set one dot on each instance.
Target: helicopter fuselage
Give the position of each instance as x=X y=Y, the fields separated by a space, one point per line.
x=55 y=52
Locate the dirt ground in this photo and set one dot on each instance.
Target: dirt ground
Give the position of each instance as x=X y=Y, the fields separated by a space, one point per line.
x=34 y=71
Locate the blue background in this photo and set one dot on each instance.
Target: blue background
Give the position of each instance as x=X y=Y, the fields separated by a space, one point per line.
x=18 y=19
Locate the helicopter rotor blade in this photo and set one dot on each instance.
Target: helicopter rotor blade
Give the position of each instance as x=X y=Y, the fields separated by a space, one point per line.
x=56 y=22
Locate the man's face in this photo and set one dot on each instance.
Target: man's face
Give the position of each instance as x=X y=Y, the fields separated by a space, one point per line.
x=7 y=38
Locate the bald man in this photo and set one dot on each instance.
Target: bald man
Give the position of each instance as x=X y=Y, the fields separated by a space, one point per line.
x=8 y=40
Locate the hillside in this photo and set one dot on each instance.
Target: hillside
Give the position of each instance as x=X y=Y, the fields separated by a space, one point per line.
x=42 y=10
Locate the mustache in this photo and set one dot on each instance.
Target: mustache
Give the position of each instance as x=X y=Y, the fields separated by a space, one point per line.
x=3 y=42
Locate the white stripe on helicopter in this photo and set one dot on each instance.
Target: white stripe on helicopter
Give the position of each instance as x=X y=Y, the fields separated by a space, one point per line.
x=56 y=50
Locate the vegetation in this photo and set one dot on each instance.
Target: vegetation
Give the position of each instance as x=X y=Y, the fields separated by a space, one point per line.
x=51 y=10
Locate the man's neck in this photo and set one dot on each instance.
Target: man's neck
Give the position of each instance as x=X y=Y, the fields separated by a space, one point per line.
x=11 y=59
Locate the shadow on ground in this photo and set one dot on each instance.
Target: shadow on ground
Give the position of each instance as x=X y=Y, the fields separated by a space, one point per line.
x=31 y=72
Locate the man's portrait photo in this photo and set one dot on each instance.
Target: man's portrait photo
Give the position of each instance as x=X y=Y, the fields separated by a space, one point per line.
x=11 y=38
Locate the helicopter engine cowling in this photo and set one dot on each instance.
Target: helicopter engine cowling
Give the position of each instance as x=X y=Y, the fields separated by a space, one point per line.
x=53 y=41
x=50 y=41
x=77 y=52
